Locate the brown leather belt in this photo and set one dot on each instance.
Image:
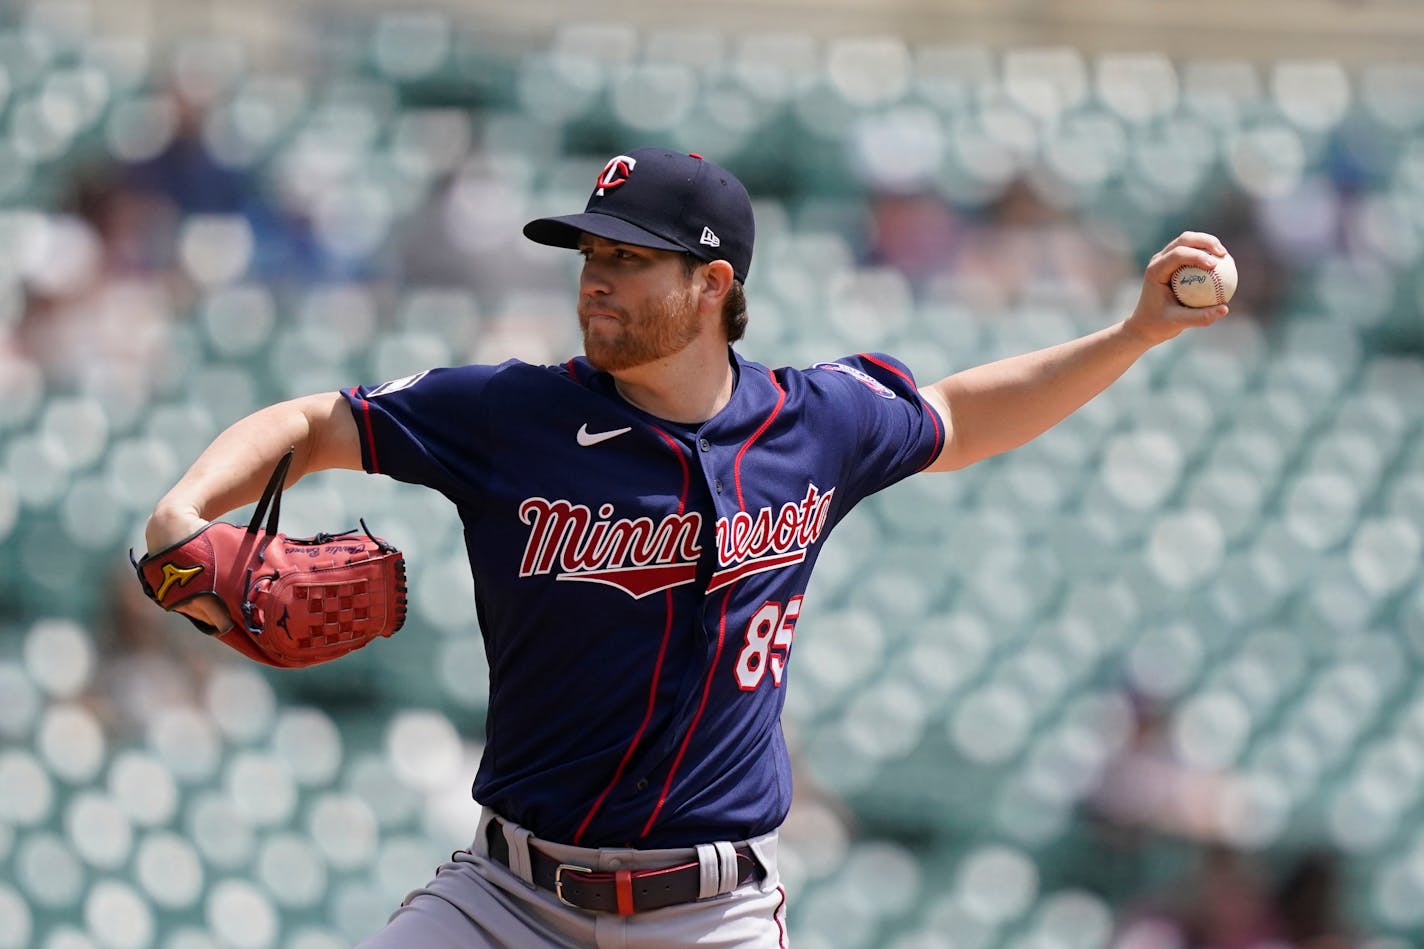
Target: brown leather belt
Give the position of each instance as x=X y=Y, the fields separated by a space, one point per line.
x=618 y=891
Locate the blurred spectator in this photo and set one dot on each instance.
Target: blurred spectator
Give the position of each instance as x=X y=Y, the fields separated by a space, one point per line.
x=1149 y=788
x=1229 y=904
x=185 y=174
x=1150 y=804
x=121 y=262
x=1308 y=903
x=916 y=234
x=185 y=178
x=1025 y=246
x=1226 y=904
x=100 y=293
x=137 y=229
x=458 y=236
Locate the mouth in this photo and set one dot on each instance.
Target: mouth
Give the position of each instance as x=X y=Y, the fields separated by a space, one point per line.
x=592 y=317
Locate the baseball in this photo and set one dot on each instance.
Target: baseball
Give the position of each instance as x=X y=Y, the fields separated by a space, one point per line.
x=1196 y=287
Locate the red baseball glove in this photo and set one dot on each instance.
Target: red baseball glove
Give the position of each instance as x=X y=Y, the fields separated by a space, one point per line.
x=293 y=601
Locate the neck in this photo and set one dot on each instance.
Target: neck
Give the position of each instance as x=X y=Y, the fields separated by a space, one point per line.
x=687 y=387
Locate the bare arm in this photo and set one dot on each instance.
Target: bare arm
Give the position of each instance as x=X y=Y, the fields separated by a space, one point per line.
x=232 y=470
x=1001 y=405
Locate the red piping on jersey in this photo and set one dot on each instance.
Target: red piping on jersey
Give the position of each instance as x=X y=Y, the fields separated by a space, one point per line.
x=737 y=466
x=370 y=432
x=722 y=621
x=701 y=706
x=778 y=914
x=934 y=416
x=573 y=372
x=657 y=666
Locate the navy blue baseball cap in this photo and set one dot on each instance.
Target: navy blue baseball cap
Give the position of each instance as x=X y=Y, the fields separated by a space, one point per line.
x=653 y=197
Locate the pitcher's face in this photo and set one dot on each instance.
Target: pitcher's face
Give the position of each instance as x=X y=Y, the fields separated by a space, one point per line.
x=636 y=304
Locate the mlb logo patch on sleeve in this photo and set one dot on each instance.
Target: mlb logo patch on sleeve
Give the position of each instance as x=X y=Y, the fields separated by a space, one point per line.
x=870 y=382
x=395 y=385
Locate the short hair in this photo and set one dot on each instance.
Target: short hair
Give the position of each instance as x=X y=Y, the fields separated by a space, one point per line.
x=734 y=307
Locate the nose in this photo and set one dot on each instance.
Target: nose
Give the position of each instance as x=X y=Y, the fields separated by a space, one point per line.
x=593 y=279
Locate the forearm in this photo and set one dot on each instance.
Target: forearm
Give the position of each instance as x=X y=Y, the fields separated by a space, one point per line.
x=1001 y=405
x=233 y=469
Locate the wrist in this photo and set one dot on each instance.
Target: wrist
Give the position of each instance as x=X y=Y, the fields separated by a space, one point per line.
x=1134 y=334
x=170 y=523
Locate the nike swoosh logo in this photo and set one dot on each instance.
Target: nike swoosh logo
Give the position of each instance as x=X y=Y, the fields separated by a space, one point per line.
x=587 y=438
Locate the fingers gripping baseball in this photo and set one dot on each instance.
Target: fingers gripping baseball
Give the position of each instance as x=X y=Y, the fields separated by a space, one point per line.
x=1198 y=239
x=1166 y=305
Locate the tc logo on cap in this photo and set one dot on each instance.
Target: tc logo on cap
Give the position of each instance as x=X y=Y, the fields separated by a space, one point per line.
x=615 y=173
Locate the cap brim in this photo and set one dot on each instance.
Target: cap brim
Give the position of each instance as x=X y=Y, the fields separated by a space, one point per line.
x=565 y=231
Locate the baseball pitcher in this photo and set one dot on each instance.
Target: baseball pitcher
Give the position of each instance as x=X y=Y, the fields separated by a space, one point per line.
x=641 y=523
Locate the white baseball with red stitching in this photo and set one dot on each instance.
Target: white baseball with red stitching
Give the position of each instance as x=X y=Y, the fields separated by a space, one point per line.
x=1196 y=287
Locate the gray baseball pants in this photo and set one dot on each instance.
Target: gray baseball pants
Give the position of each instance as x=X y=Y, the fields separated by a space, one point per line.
x=476 y=902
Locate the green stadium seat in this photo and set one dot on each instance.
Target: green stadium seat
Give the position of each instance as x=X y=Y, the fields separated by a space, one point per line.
x=116 y=912
x=49 y=871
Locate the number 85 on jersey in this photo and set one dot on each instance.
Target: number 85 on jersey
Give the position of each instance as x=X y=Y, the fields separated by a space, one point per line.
x=768 y=643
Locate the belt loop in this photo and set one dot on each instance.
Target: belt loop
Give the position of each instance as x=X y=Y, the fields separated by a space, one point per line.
x=726 y=866
x=518 y=839
x=623 y=890
x=710 y=867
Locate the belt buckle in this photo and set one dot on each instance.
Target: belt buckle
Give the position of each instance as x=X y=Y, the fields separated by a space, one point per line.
x=559 y=881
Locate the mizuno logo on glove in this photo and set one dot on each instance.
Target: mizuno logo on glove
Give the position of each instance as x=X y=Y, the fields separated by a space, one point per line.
x=172 y=573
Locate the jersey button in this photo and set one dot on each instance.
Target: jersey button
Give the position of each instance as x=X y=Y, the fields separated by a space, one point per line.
x=718 y=485
x=642 y=785
x=704 y=444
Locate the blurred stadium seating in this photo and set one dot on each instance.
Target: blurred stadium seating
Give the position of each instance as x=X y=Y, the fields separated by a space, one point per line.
x=1030 y=697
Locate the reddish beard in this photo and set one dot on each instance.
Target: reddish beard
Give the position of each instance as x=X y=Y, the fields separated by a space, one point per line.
x=651 y=332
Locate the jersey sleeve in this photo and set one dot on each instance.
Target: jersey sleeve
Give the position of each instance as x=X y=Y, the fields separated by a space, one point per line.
x=892 y=431
x=426 y=428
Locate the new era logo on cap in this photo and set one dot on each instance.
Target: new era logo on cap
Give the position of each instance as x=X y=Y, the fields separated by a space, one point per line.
x=667 y=200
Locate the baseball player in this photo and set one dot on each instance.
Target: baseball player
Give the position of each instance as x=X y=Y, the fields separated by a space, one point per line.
x=641 y=523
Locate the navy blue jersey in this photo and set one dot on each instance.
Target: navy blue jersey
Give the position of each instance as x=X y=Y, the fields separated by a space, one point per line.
x=638 y=582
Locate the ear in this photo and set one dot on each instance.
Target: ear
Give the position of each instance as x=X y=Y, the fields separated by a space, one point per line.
x=714 y=280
